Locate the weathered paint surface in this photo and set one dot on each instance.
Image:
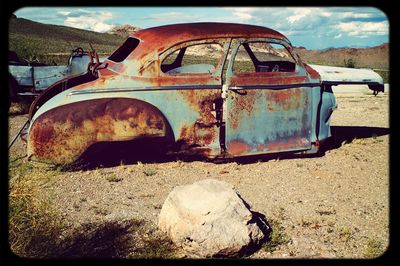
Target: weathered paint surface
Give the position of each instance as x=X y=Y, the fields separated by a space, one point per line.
x=270 y=112
x=248 y=113
x=190 y=115
x=268 y=120
x=343 y=75
x=203 y=132
x=38 y=78
x=143 y=61
x=62 y=134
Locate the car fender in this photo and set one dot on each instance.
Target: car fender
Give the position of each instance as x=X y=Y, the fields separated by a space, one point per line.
x=61 y=134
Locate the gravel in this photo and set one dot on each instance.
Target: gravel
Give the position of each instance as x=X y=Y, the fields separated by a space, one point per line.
x=330 y=206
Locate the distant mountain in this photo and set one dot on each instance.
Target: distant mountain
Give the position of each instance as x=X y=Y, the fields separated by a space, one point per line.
x=124 y=30
x=343 y=47
x=372 y=57
x=52 y=44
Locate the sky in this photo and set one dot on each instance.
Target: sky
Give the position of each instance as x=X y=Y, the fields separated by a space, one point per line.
x=310 y=27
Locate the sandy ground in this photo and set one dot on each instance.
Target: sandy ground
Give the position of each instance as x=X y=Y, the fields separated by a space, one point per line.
x=334 y=205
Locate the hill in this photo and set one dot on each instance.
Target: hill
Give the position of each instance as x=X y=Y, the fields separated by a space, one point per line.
x=52 y=44
x=372 y=57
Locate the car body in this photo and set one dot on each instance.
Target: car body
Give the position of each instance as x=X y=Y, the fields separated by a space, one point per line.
x=30 y=79
x=214 y=89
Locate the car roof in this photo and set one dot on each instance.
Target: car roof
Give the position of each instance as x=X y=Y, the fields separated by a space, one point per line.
x=162 y=37
x=156 y=40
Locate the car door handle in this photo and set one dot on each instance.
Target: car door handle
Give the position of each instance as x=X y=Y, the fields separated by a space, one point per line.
x=238 y=90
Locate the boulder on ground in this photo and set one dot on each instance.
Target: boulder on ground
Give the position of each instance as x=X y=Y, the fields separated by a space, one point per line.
x=210 y=219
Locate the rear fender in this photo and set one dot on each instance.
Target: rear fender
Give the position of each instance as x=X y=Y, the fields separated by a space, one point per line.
x=62 y=134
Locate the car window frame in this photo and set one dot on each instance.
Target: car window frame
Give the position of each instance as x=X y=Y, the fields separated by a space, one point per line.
x=237 y=42
x=217 y=73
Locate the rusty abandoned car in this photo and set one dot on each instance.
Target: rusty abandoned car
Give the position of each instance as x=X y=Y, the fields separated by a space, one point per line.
x=220 y=90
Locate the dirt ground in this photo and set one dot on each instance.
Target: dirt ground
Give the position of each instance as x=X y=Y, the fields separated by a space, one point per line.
x=330 y=206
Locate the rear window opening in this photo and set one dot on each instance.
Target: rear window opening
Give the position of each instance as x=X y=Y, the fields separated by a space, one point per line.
x=124 y=50
x=193 y=59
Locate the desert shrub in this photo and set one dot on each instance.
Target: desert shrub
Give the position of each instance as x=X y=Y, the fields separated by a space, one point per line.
x=277 y=237
x=349 y=63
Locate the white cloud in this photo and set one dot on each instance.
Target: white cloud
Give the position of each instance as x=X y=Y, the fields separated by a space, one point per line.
x=88 y=23
x=238 y=15
x=299 y=14
x=363 y=29
x=338 y=36
x=64 y=13
x=169 y=16
x=242 y=14
x=88 y=20
x=353 y=15
x=326 y=14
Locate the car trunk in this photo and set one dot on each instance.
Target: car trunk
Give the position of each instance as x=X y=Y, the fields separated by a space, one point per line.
x=341 y=75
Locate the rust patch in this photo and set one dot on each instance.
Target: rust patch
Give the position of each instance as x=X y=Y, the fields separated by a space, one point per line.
x=195 y=135
x=266 y=78
x=314 y=74
x=286 y=144
x=203 y=131
x=237 y=147
x=239 y=103
x=286 y=99
x=62 y=134
x=202 y=101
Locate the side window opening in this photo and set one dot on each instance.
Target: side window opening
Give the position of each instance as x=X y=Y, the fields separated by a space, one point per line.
x=263 y=57
x=198 y=58
x=124 y=50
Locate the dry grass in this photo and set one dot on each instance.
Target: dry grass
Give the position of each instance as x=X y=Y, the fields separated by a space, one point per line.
x=34 y=226
x=375 y=248
x=38 y=230
x=18 y=108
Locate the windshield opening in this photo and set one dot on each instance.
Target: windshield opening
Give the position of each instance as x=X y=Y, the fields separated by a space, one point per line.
x=124 y=50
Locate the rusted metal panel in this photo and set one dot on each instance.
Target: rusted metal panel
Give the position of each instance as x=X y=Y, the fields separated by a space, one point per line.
x=62 y=134
x=162 y=37
x=344 y=75
x=187 y=100
x=190 y=115
x=268 y=120
x=242 y=114
x=269 y=112
x=203 y=134
x=38 y=78
x=154 y=41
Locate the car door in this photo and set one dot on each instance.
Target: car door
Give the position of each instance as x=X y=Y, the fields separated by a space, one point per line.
x=268 y=99
x=191 y=82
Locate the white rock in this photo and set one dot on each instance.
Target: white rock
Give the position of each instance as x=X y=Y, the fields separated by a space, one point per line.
x=209 y=219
